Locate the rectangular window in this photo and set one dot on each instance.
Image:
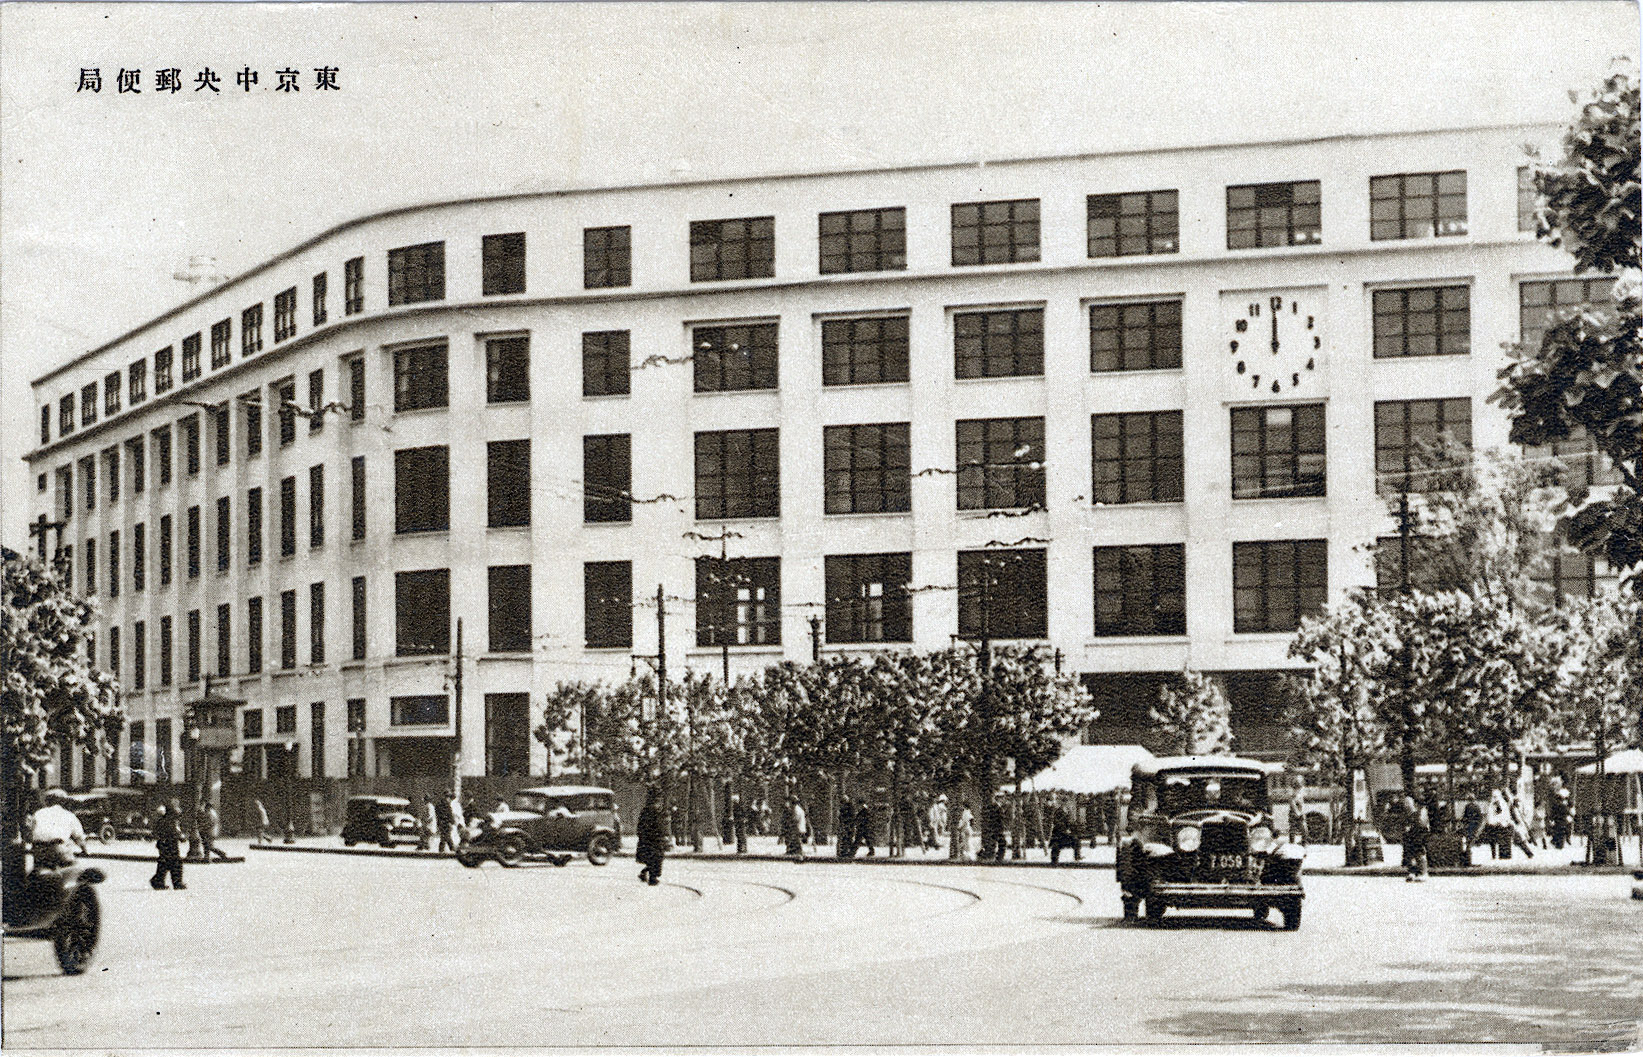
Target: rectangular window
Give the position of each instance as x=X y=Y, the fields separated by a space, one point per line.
x=1412 y=561
x=510 y=608
x=165 y=651
x=114 y=564
x=316 y=623
x=162 y=370
x=45 y=424
x=284 y=393
x=867 y=469
x=738 y=602
x=422 y=612
x=1423 y=321
x=607 y=605
x=1577 y=463
x=507 y=734
x=607 y=257
x=316 y=739
x=165 y=550
x=137 y=755
x=1135 y=336
x=1278 y=452
x=1275 y=584
x=1141 y=590
x=1417 y=205
x=288 y=629
x=867 y=598
x=507 y=370
x=161 y=440
x=222 y=434
x=137 y=458
x=111 y=467
x=995 y=232
x=742 y=248
x=605 y=364
x=88 y=406
x=1569 y=574
x=1136 y=457
x=416 y=273
x=1000 y=463
x=420 y=710
x=65 y=415
x=221 y=343
x=864 y=351
x=1002 y=594
x=192 y=531
x=607 y=478
x=111 y=393
x=422 y=489
x=114 y=651
x=316 y=400
x=139 y=556
x=353 y=286
x=356 y=737
x=288 y=516
x=191 y=357
x=190 y=427
x=738 y=474
x=508 y=483
x=734 y=358
x=1410 y=441
x=316 y=506
x=1005 y=343
x=1542 y=303
x=1528 y=199
x=356 y=490
x=285 y=315
x=863 y=240
x=253 y=526
x=251 y=330
x=321 y=281
x=1133 y=224
x=251 y=724
x=356 y=388
x=504 y=263
x=1280 y=214
x=162 y=750
x=359 y=618
x=222 y=534
x=193 y=646
x=139 y=655
x=285 y=719
x=88 y=482
x=224 y=641
x=90 y=554
x=253 y=634
x=420 y=378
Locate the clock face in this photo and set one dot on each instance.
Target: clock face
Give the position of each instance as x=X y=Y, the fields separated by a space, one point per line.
x=1274 y=343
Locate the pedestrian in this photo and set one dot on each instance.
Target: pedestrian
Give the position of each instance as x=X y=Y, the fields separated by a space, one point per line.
x=992 y=830
x=652 y=839
x=168 y=838
x=938 y=820
x=1519 y=827
x=459 y=821
x=793 y=826
x=1415 y=833
x=1537 y=827
x=845 y=843
x=737 y=817
x=1497 y=826
x=428 y=827
x=442 y=822
x=865 y=833
x=263 y=824
x=1559 y=811
x=1297 y=816
x=1471 y=818
x=1061 y=834
x=210 y=831
x=963 y=830
x=54 y=833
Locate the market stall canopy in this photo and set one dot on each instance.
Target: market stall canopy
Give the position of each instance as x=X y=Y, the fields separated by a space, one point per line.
x=1090 y=769
x=1627 y=761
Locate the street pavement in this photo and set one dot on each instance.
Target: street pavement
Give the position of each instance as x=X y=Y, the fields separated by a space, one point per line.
x=332 y=950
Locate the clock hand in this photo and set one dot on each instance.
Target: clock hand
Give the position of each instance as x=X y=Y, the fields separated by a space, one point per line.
x=1274 y=333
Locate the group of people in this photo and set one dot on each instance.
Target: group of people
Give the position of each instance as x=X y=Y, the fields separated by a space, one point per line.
x=442 y=820
x=1501 y=827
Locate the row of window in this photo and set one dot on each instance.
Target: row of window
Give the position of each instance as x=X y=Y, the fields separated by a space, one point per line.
x=1402 y=206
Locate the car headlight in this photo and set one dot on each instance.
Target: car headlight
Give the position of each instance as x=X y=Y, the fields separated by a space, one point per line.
x=1187 y=837
x=1260 y=839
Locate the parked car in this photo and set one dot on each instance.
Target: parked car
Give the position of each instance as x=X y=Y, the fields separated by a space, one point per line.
x=384 y=820
x=552 y=822
x=1201 y=835
x=109 y=813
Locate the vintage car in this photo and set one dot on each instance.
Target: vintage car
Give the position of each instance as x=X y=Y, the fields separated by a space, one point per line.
x=52 y=903
x=551 y=822
x=107 y=814
x=1200 y=834
x=384 y=820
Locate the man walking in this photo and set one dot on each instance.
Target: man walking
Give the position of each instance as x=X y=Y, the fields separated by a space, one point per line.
x=262 y=822
x=442 y=822
x=652 y=839
x=459 y=820
x=210 y=830
x=1415 y=834
x=864 y=828
x=793 y=827
x=168 y=837
x=938 y=820
x=845 y=844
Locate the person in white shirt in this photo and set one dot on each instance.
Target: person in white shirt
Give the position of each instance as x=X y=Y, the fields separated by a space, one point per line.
x=55 y=831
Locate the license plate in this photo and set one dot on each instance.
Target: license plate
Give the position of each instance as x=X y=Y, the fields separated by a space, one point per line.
x=1222 y=861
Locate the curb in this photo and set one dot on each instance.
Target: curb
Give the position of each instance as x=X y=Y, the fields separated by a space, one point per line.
x=127 y=856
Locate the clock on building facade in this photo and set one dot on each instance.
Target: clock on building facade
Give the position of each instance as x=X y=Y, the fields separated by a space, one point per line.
x=1274 y=343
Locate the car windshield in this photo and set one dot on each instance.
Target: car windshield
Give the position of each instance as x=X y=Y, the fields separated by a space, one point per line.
x=531 y=802
x=1196 y=792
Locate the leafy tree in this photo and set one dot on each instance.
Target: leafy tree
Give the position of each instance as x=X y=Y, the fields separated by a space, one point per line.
x=1601 y=702
x=1587 y=375
x=1192 y=716
x=1330 y=717
x=49 y=691
x=568 y=706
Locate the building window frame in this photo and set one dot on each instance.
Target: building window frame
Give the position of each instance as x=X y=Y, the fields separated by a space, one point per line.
x=1278 y=451
x=862 y=240
x=1140 y=589
x=1000 y=463
x=1270 y=215
x=1004 y=231
x=738 y=474
x=732 y=248
x=1396 y=210
x=1294 y=574
x=416 y=274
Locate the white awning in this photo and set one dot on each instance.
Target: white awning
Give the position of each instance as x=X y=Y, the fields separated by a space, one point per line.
x=1090 y=769
x=1627 y=761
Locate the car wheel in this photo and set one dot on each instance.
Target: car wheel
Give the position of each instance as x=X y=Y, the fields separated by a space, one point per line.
x=1292 y=915
x=346 y=843
x=1132 y=907
x=599 y=849
x=75 y=937
x=470 y=860
x=1261 y=910
x=510 y=852
x=105 y=833
x=1154 y=910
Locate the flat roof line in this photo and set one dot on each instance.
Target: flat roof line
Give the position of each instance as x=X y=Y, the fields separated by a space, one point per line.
x=982 y=163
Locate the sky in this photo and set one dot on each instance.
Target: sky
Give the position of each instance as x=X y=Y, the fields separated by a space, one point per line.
x=105 y=196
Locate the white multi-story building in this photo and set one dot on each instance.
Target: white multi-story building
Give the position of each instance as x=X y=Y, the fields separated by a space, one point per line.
x=1145 y=407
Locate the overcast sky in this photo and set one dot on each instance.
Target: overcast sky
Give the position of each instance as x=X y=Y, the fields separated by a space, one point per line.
x=104 y=196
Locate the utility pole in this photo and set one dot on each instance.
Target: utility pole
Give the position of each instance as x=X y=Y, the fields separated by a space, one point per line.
x=456 y=685
x=815 y=639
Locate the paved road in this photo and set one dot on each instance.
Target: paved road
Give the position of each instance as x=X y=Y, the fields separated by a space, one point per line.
x=311 y=950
